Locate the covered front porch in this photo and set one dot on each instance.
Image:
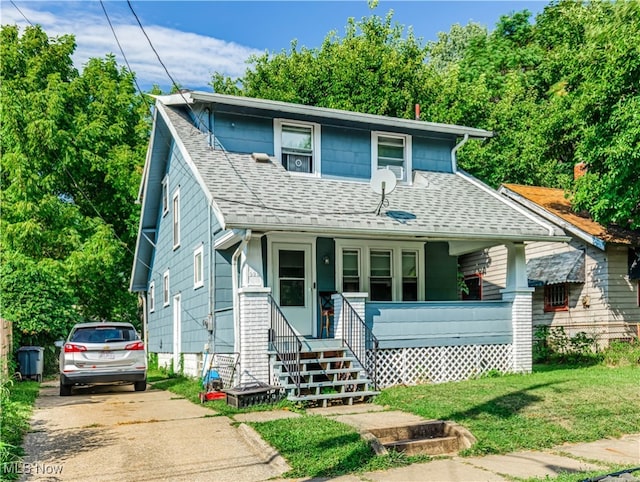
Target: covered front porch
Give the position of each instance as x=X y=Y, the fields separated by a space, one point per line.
x=298 y=289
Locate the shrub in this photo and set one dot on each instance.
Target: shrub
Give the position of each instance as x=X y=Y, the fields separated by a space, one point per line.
x=552 y=344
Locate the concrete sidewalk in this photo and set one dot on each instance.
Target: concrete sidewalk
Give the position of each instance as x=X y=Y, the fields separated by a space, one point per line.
x=599 y=456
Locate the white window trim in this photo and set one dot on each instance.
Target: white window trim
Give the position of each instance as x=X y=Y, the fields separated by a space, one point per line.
x=396 y=247
x=175 y=202
x=407 y=153
x=152 y=297
x=198 y=283
x=165 y=195
x=166 y=289
x=316 y=148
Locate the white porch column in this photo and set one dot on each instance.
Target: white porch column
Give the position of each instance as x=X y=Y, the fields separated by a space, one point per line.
x=251 y=267
x=255 y=320
x=518 y=292
x=356 y=300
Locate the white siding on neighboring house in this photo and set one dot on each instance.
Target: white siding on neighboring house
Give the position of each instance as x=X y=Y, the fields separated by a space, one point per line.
x=605 y=304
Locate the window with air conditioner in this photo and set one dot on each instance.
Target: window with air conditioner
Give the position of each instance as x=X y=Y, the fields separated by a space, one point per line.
x=297 y=145
x=392 y=152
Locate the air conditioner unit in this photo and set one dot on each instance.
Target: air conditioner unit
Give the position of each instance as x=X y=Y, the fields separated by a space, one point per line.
x=297 y=162
x=397 y=170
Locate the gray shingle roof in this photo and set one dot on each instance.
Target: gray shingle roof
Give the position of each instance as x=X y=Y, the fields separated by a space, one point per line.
x=257 y=195
x=566 y=267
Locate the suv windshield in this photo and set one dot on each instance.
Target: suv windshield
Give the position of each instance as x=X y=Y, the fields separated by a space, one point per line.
x=104 y=334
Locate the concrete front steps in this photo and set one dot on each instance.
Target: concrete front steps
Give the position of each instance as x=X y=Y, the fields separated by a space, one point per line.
x=330 y=374
x=426 y=438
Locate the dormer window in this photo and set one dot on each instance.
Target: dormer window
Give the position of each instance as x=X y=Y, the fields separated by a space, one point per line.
x=393 y=152
x=297 y=145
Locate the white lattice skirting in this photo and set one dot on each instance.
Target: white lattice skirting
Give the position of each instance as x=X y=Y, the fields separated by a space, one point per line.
x=437 y=364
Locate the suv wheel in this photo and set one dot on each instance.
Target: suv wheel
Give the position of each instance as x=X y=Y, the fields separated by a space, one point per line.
x=140 y=386
x=65 y=390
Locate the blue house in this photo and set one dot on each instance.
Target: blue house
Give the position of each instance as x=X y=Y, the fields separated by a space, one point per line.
x=265 y=250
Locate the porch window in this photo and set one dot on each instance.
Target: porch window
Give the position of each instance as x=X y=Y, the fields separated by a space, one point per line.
x=556 y=297
x=409 y=276
x=297 y=145
x=291 y=271
x=351 y=270
x=380 y=281
x=393 y=152
x=152 y=297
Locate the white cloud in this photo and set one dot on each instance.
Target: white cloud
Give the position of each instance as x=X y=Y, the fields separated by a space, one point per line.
x=190 y=58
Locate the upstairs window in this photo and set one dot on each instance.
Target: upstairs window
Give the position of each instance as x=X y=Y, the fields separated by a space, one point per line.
x=556 y=297
x=176 y=219
x=165 y=195
x=393 y=152
x=298 y=146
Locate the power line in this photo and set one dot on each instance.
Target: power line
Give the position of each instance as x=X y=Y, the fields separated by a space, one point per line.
x=23 y=15
x=135 y=80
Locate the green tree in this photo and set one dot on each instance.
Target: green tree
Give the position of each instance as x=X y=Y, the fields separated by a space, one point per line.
x=72 y=150
x=374 y=68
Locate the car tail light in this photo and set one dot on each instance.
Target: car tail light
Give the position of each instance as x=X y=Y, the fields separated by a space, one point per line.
x=138 y=345
x=71 y=348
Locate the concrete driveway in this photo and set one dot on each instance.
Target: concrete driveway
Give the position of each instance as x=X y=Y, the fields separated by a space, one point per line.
x=113 y=433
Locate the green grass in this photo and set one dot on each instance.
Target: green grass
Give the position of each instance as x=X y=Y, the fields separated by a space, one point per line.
x=16 y=400
x=551 y=406
x=317 y=446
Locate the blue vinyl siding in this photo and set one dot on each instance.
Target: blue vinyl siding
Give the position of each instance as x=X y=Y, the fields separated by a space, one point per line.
x=400 y=325
x=346 y=152
x=431 y=154
x=223 y=280
x=194 y=222
x=238 y=133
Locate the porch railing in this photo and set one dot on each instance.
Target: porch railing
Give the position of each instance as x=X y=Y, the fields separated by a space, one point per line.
x=286 y=343
x=360 y=340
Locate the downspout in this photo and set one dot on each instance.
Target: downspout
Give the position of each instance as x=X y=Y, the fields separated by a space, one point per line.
x=212 y=289
x=454 y=159
x=236 y=300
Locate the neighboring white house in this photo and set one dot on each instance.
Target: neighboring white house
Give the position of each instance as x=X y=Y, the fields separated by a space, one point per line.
x=590 y=284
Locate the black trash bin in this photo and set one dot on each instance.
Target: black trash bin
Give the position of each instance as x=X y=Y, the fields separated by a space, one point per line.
x=31 y=360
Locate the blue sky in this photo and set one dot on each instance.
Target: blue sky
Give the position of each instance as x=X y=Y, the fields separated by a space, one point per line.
x=195 y=39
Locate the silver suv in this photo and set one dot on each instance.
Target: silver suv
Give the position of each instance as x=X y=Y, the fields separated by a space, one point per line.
x=103 y=353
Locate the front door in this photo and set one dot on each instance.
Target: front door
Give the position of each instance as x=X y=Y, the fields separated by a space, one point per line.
x=293 y=288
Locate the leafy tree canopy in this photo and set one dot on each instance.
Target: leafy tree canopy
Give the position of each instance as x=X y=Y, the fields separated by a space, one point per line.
x=557 y=91
x=72 y=150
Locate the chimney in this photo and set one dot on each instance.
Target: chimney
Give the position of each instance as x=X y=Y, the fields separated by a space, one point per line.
x=417 y=111
x=579 y=170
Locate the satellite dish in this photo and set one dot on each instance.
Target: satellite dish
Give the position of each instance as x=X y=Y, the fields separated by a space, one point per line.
x=383 y=181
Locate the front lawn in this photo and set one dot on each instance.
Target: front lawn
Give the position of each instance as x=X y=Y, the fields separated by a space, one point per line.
x=546 y=408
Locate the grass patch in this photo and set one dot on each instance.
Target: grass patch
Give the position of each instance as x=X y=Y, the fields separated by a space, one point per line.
x=16 y=404
x=317 y=446
x=551 y=406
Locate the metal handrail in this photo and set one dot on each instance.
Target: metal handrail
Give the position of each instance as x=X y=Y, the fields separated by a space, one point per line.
x=356 y=334
x=286 y=343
